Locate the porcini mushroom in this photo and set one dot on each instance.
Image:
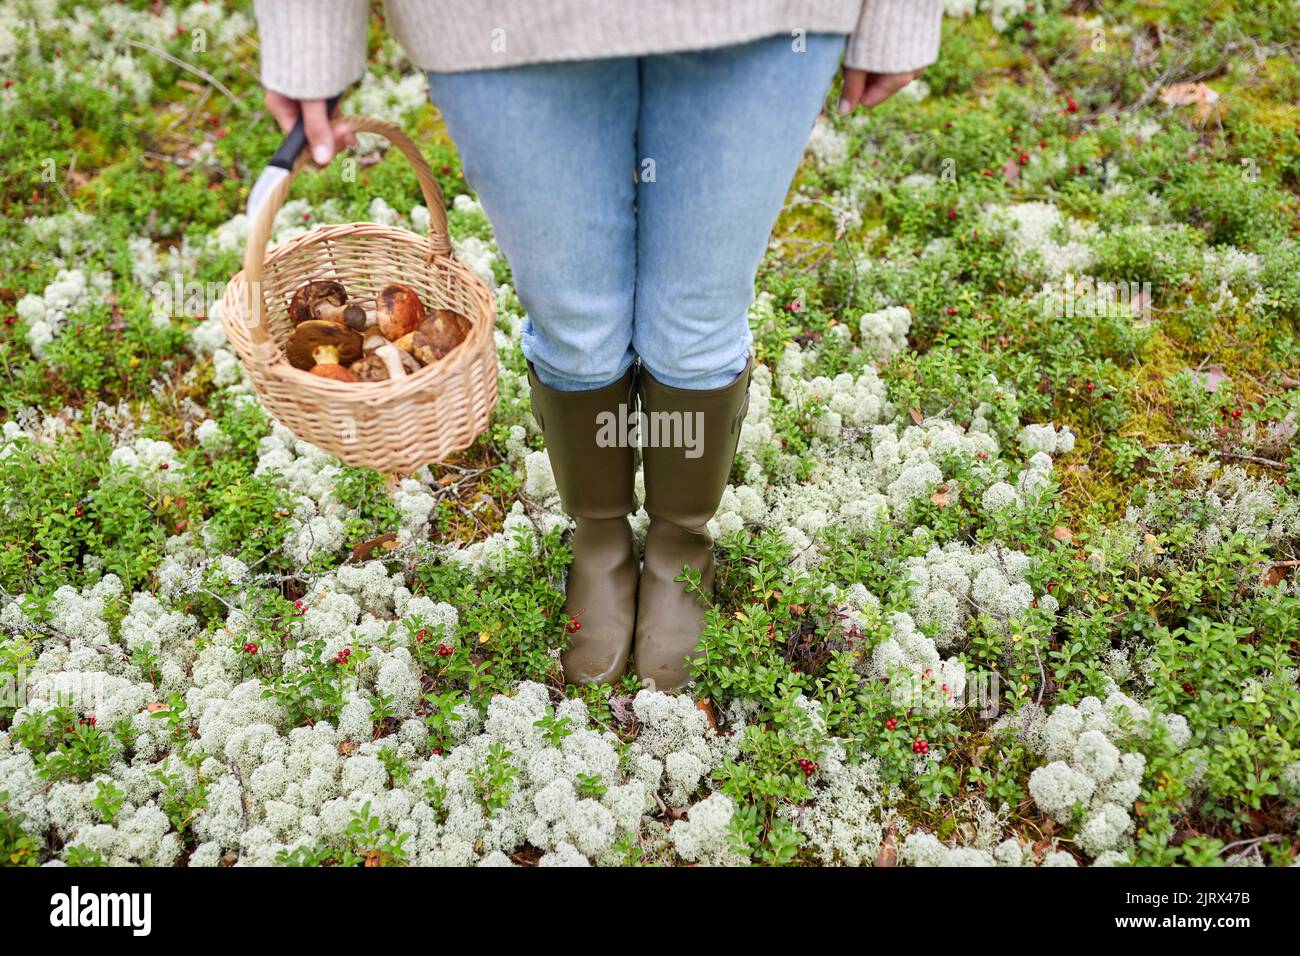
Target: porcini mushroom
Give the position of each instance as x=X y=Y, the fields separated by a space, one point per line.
x=384 y=363
x=353 y=316
x=439 y=335
x=337 y=372
x=313 y=295
x=398 y=311
x=317 y=344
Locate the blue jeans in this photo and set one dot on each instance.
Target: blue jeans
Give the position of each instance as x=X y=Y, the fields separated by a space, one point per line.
x=610 y=266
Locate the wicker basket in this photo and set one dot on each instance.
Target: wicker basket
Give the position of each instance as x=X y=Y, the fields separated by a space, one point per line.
x=395 y=425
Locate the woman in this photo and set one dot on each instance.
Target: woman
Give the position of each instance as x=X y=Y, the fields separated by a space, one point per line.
x=632 y=157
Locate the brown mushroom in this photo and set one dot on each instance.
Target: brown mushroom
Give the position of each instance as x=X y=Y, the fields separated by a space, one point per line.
x=384 y=363
x=318 y=342
x=406 y=343
x=398 y=311
x=439 y=335
x=311 y=296
x=353 y=316
x=371 y=368
x=337 y=372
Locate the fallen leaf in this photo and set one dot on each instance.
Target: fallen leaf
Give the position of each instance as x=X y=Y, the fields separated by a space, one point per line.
x=940 y=498
x=888 y=855
x=1274 y=575
x=1191 y=94
x=1062 y=534
x=705 y=706
x=156 y=706
x=1152 y=543
x=1281 y=432
x=1210 y=378
x=1011 y=170
x=346 y=747
x=917 y=417
x=366 y=549
x=619 y=706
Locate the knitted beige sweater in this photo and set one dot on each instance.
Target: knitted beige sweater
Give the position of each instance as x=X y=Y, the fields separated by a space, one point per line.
x=312 y=49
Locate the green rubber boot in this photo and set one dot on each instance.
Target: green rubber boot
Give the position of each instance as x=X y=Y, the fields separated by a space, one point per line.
x=595 y=485
x=683 y=486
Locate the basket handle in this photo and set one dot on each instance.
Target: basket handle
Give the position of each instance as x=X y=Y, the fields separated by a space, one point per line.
x=260 y=232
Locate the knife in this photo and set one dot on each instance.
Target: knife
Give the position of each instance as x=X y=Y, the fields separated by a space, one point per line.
x=282 y=162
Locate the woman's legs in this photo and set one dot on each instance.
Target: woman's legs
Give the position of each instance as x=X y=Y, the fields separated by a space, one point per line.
x=550 y=151
x=726 y=130
x=715 y=138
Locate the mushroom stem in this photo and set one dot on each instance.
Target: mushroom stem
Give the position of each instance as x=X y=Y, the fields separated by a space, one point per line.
x=326 y=355
x=392 y=357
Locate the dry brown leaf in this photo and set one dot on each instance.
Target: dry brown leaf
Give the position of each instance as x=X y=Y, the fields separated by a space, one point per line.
x=706 y=707
x=1062 y=534
x=888 y=855
x=917 y=417
x=1191 y=94
x=1275 y=574
x=941 y=498
x=1209 y=378
x=346 y=747
x=156 y=706
x=366 y=549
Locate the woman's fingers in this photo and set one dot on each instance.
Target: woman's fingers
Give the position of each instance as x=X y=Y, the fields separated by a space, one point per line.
x=851 y=90
x=884 y=85
x=323 y=136
x=343 y=135
x=865 y=89
x=320 y=134
x=283 y=109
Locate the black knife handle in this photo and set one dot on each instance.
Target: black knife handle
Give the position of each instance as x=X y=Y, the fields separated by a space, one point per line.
x=297 y=139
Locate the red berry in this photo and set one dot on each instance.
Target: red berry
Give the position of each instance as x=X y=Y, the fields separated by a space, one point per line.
x=443 y=650
x=250 y=648
x=1023 y=159
x=952 y=311
x=1071 y=107
x=952 y=213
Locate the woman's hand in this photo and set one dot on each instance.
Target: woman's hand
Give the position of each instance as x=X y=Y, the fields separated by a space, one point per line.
x=323 y=136
x=865 y=89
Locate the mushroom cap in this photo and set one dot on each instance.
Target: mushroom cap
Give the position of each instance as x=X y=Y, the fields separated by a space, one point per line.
x=398 y=311
x=439 y=335
x=315 y=334
x=336 y=372
x=303 y=304
x=371 y=368
x=353 y=316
